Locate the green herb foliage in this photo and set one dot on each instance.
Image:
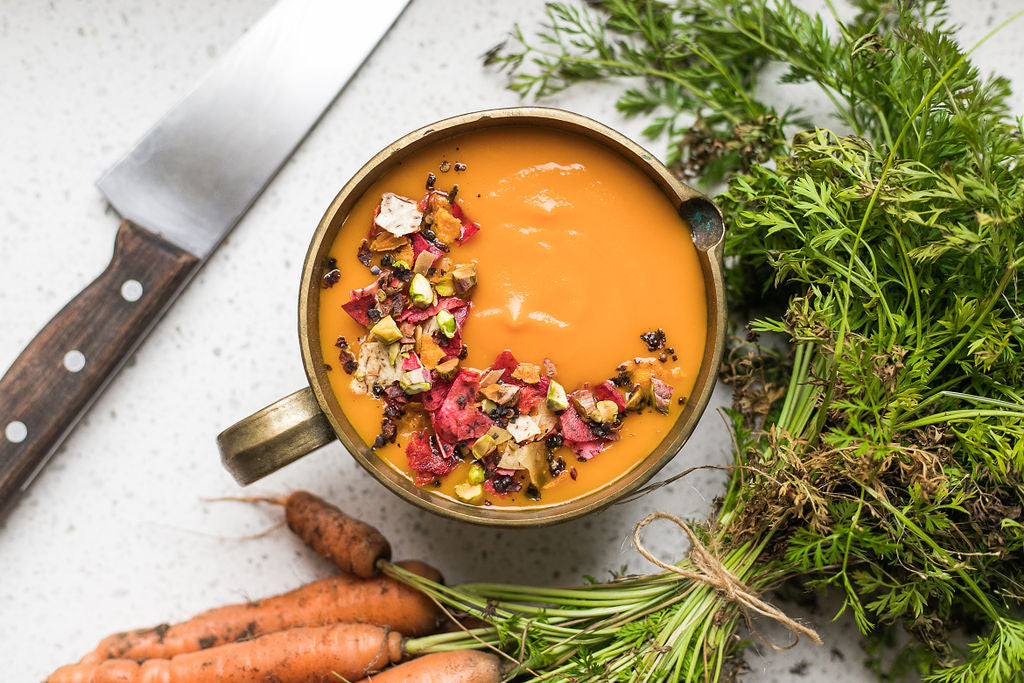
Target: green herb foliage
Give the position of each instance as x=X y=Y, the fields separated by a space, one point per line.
x=882 y=456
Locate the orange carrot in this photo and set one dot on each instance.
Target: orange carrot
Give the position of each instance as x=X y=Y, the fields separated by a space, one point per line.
x=353 y=545
x=458 y=666
x=343 y=598
x=298 y=655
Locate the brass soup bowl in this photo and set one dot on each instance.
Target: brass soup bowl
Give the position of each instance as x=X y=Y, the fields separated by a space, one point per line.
x=312 y=417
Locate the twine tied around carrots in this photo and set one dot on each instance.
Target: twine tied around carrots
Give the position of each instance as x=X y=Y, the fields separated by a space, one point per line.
x=711 y=572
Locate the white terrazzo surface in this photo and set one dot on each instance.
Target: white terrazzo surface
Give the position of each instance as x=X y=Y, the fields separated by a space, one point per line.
x=115 y=533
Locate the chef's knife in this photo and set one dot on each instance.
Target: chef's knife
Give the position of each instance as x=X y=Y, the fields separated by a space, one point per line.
x=180 y=191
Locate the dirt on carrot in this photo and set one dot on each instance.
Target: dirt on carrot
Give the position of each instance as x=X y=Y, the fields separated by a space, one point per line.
x=381 y=601
x=354 y=546
x=298 y=655
x=460 y=666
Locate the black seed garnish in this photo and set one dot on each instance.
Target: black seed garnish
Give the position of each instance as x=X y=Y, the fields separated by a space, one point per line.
x=379 y=442
x=532 y=493
x=332 y=263
x=463 y=352
x=350 y=366
x=342 y=343
x=453 y=193
x=373 y=314
x=555 y=441
x=459 y=167
x=386 y=260
x=654 y=340
x=461 y=400
x=621 y=379
x=556 y=466
x=675 y=357
x=364 y=254
x=445 y=166
x=428 y=234
x=431 y=179
x=505 y=483
x=378 y=391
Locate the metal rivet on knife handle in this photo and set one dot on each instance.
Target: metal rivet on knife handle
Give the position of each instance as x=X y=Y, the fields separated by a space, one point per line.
x=181 y=190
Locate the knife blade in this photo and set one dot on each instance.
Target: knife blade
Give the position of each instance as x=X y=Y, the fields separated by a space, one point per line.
x=180 y=190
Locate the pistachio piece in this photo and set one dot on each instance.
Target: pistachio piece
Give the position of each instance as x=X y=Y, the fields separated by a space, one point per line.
x=394 y=351
x=386 y=330
x=401 y=263
x=464 y=277
x=557 y=400
x=635 y=398
x=476 y=474
x=483 y=446
x=415 y=381
x=470 y=493
x=584 y=403
x=445 y=286
x=420 y=292
x=662 y=395
x=446 y=323
x=605 y=411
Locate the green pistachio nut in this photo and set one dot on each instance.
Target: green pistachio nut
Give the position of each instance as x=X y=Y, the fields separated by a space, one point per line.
x=446 y=323
x=445 y=286
x=464 y=277
x=415 y=381
x=606 y=411
x=476 y=474
x=483 y=446
x=470 y=493
x=557 y=400
x=420 y=292
x=386 y=330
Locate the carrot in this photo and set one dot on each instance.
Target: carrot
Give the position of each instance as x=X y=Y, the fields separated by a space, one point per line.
x=458 y=666
x=294 y=656
x=353 y=545
x=342 y=598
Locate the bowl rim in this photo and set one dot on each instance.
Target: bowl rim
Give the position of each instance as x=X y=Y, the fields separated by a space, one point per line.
x=709 y=251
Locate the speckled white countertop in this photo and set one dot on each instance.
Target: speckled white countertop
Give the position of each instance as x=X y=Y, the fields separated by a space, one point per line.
x=115 y=533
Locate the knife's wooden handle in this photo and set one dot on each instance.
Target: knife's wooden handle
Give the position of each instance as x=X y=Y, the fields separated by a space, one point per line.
x=67 y=365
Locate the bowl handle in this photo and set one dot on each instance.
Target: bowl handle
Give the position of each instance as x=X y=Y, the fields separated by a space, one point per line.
x=273 y=437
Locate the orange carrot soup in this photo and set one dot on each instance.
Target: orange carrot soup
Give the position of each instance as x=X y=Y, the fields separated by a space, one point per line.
x=513 y=316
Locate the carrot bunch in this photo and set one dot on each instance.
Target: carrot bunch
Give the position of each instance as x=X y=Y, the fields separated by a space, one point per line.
x=344 y=627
